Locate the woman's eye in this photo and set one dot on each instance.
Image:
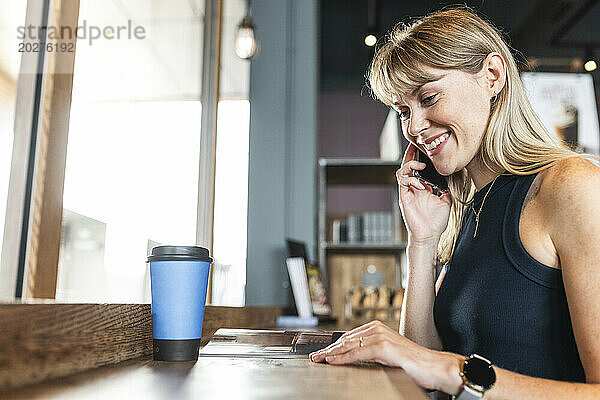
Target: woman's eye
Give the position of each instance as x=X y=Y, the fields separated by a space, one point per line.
x=428 y=100
x=403 y=114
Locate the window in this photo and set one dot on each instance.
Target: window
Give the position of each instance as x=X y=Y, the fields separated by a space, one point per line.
x=231 y=171
x=131 y=179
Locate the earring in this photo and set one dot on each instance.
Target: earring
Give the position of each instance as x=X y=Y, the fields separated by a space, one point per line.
x=494 y=98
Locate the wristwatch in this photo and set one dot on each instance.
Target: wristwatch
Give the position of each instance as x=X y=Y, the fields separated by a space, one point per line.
x=478 y=376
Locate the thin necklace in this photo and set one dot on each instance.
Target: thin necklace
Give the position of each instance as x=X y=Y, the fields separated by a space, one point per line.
x=481 y=208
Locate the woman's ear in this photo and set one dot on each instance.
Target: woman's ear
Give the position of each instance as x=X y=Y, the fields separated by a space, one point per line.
x=495 y=73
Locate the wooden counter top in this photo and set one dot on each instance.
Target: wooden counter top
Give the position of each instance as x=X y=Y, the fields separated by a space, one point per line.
x=43 y=341
x=103 y=351
x=228 y=378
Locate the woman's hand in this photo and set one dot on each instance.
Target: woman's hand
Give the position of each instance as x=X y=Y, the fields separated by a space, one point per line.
x=377 y=342
x=425 y=215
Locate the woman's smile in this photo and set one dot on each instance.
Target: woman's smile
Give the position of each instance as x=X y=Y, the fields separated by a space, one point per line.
x=435 y=144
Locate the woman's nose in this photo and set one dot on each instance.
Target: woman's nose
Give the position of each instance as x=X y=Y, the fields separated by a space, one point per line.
x=417 y=123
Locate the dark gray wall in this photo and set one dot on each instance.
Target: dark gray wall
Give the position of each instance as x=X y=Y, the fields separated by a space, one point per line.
x=283 y=132
x=349 y=127
x=350 y=124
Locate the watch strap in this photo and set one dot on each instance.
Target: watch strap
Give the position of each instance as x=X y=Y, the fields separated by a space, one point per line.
x=469 y=394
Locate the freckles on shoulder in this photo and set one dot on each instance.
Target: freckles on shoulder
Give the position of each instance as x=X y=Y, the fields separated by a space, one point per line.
x=570 y=188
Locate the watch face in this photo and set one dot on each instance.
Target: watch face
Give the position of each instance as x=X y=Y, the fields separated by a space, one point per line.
x=479 y=372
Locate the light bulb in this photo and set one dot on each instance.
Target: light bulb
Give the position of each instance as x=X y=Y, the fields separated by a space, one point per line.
x=590 y=65
x=246 y=44
x=370 y=40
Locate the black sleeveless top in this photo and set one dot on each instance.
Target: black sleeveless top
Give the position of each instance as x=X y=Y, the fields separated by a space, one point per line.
x=496 y=300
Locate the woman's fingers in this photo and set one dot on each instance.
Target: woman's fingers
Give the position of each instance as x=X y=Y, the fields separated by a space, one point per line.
x=350 y=340
x=410 y=153
x=342 y=343
x=357 y=354
x=405 y=175
x=361 y=330
x=366 y=329
x=360 y=348
x=408 y=168
x=406 y=182
x=348 y=345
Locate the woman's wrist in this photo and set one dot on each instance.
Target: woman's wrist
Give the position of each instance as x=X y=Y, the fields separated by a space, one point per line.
x=437 y=370
x=427 y=243
x=422 y=254
x=455 y=381
x=449 y=373
x=446 y=368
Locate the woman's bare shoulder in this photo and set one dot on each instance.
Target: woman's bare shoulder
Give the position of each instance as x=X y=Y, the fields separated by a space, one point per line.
x=569 y=186
x=569 y=174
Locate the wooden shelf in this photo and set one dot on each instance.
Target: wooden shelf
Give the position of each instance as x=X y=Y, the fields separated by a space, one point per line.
x=359 y=171
x=386 y=248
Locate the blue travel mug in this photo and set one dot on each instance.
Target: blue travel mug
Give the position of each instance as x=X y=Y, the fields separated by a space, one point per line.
x=178 y=281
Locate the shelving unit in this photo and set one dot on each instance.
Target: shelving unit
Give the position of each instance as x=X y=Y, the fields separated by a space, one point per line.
x=381 y=248
x=355 y=172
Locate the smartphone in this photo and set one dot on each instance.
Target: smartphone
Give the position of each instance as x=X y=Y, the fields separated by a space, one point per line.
x=430 y=176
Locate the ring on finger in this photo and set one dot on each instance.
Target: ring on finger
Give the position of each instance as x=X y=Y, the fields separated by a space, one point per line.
x=361 y=342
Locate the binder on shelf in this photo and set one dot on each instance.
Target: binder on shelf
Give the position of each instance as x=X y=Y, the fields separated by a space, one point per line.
x=368 y=227
x=354 y=224
x=339 y=231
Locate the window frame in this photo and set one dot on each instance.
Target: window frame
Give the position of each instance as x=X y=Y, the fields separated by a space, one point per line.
x=18 y=219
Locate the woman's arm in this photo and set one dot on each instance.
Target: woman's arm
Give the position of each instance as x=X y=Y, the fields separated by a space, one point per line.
x=436 y=370
x=425 y=217
x=416 y=322
x=570 y=195
x=510 y=385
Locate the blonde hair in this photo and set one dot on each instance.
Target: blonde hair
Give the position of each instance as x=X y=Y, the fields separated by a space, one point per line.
x=515 y=139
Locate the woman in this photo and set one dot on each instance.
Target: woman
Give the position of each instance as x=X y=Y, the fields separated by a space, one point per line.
x=517 y=230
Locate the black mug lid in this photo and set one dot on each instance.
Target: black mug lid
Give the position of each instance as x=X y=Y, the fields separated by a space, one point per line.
x=177 y=253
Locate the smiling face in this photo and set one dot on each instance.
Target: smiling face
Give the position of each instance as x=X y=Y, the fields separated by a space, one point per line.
x=446 y=118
